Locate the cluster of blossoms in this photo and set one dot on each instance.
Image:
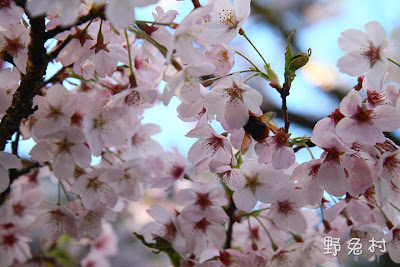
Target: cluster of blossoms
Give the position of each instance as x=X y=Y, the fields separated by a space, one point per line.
x=234 y=209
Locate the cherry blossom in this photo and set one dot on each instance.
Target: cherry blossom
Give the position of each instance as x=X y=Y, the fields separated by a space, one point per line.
x=54 y=110
x=67 y=10
x=10 y=13
x=101 y=129
x=54 y=220
x=222 y=56
x=285 y=210
x=276 y=149
x=167 y=168
x=365 y=125
x=121 y=13
x=226 y=20
x=165 y=226
x=64 y=149
x=365 y=52
x=7 y=161
x=95 y=188
x=232 y=98
x=260 y=183
x=8 y=85
x=13 y=244
x=15 y=42
x=211 y=147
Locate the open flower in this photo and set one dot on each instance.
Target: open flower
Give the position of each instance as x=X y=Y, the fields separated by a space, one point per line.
x=226 y=20
x=365 y=52
x=232 y=98
x=65 y=149
x=365 y=125
x=7 y=161
x=211 y=147
x=55 y=110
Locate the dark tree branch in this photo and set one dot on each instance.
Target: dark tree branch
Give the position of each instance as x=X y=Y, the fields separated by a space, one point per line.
x=30 y=84
x=230 y=210
x=196 y=3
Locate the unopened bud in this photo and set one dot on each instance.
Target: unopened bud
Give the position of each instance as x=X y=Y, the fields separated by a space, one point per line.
x=299 y=60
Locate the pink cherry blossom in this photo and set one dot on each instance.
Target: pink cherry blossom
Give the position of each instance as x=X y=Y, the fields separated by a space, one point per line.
x=185 y=83
x=121 y=12
x=393 y=244
x=21 y=207
x=64 y=149
x=211 y=147
x=54 y=220
x=13 y=244
x=167 y=168
x=331 y=173
x=107 y=242
x=67 y=10
x=54 y=110
x=222 y=56
x=130 y=186
x=101 y=128
x=10 y=13
x=365 y=125
x=165 y=226
x=285 y=210
x=365 y=52
x=232 y=98
x=203 y=202
x=226 y=20
x=15 y=42
x=82 y=41
x=306 y=174
x=7 y=161
x=276 y=149
x=260 y=183
x=95 y=188
x=199 y=233
x=8 y=85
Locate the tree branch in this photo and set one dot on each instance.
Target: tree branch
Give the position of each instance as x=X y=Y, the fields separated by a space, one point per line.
x=30 y=84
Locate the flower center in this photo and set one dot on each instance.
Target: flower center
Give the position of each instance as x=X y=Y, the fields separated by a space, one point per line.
x=372 y=53
x=94 y=184
x=234 y=93
x=203 y=200
x=392 y=163
x=281 y=138
x=336 y=116
x=54 y=112
x=228 y=18
x=13 y=46
x=252 y=183
x=18 y=209
x=63 y=146
x=177 y=171
x=285 y=207
x=168 y=231
x=9 y=240
x=212 y=144
x=363 y=115
x=202 y=225
x=4 y=3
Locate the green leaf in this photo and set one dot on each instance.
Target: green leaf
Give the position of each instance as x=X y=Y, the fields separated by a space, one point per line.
x=162 y=245
x=293 y=62
x=288 y=50
x=63 y=256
